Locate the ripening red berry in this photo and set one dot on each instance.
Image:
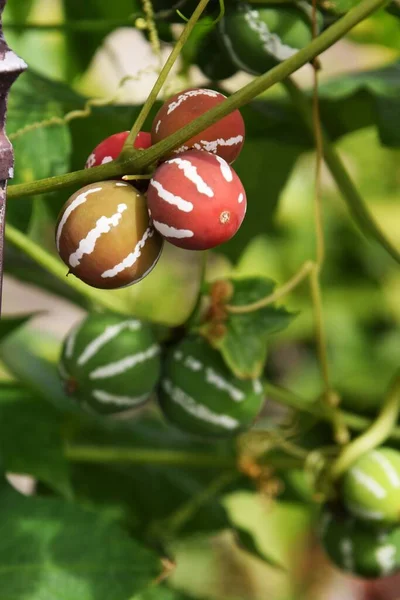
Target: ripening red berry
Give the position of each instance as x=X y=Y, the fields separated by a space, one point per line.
x=225 y=138
x=196 y=200
x=110 y=148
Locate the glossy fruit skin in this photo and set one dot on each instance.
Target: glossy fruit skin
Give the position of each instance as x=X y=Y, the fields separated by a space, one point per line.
x=196 y=200
x=225 y=138
x=199 y=395
x=371 y=488
x=110 y=363
x=258 y=38
x=354 y=547
x=104 y=235
x=213 y=58
x=110 y=148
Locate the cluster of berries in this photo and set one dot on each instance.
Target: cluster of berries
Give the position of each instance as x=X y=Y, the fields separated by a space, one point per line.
x=111 y=364
x=111 y=235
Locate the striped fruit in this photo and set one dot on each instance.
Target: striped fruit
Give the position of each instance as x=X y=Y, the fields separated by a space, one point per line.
x=196 y=200
x=104 y=236
x=198 y=394
x=225 y=138
x=367 y=552
x=109 y=363
x=110 y=148
x=213 y=58
x=258 y=38
x=371 y=488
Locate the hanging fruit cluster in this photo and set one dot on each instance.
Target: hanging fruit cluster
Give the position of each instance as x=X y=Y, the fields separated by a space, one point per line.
x=110 y=364
x=111 y=235
x=361 y=535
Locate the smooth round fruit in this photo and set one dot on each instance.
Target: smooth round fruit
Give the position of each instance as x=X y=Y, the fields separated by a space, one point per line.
x=258 y=38
x=198 y=394
x=104 y=235
x=225 y=138
x=110 y=363
x=196 y=200
x=371 y=488
x=110 y=148
x=355 y=547
x=213 y=58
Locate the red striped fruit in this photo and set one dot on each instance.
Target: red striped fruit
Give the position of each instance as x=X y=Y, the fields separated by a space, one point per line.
x=110 y=148
x=104 y=235
x=225 y=138
x=196 y=200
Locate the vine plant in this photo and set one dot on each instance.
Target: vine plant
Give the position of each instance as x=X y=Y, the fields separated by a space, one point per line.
x=133 y=164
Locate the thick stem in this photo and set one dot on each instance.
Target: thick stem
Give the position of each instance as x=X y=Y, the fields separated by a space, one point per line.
x=354 y=201
x=138 y=163
x=144 y=113
x=375 y=435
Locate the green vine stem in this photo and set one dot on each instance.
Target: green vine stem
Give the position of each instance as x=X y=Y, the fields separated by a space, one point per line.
x=374 y=436
x=53 y=265
x=352 y=420
x=354 y=201
x=161 y=79
x=137 y=163
x=178 y=458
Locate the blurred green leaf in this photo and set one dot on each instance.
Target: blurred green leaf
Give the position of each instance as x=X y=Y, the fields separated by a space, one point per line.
x=246 y=540
x=31 y=437
x=146 y=495
x=10 y=324
x=50 y=547
x=164 y=593
x=19 y=9
x=245 y=342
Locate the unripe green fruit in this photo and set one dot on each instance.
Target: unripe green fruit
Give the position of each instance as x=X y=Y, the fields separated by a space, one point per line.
x=199 y=395
x=367 y=552
x=258 y=37
x=214 y=59
x=371 y=488
x=110 y=363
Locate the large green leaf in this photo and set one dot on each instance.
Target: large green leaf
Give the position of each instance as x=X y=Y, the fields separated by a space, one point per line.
x=40 y=151
x=10 y=324
x=52 y=549
x=348 y=103
x=245 y=341
x=31 y=437
x=18 y=9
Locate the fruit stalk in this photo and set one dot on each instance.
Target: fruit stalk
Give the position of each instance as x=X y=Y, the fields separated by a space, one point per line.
x=375 y=435
x=161 y=79
x=260 y=84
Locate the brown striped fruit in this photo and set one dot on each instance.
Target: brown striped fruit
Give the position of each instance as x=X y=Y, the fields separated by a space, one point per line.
x=196 y=200
x=110 y=363
x=200 y=395
x=354 y=547
x=104 y=235
x=225 y=138
x=110 y=148
x=371 y=488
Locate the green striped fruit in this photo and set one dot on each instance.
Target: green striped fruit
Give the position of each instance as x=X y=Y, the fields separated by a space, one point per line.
x=353 y=546
x=109 y=363
x=213 y=58
x=199 y=395
x=258 y=37
x=371 y=488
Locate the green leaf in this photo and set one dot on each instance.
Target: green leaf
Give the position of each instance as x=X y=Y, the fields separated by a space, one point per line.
x=41 y=150
x=31 y=437
x=19 y=9
x=145 y=495
x=163 y=593
x=9 y=325
x=245 y=342
x=247 y=542
x=50 y=547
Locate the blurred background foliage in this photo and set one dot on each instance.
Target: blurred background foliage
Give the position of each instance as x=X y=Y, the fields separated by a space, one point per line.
x=71 y=59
